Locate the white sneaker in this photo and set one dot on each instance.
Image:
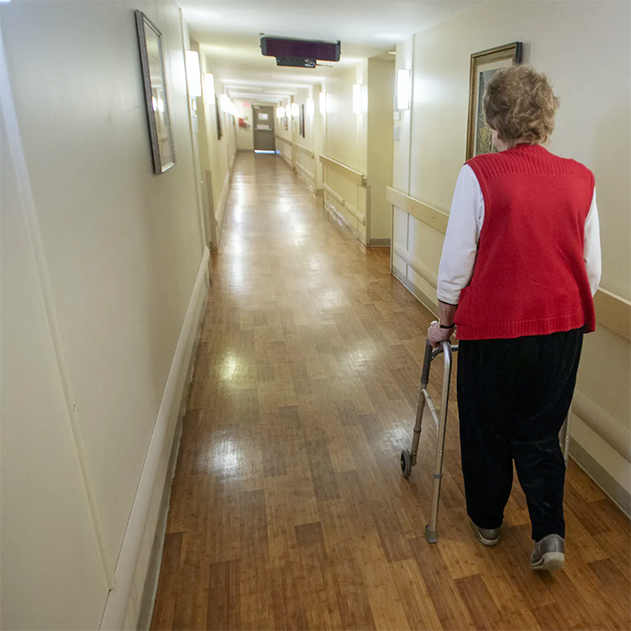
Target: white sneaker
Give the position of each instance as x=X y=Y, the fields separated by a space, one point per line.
x=549 y=553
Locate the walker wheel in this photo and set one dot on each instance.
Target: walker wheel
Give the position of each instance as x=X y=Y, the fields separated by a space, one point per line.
x=406 y=463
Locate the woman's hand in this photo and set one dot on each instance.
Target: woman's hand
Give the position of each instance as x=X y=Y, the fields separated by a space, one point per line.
x=436 y=335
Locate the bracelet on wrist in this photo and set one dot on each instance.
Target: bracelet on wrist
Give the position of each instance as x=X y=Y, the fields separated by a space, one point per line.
x=447 y=326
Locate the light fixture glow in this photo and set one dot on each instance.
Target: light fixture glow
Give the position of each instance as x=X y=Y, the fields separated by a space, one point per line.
x=403 y=89
x=322 y=103
x=227 y=105
x=357 y=99
x=280 y=112
x=209 y=89
x=193 y=74
x=310 y=107
x=295 y=110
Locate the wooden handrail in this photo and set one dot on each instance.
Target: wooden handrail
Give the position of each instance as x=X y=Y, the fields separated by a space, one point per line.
x=304 y=149
x=431 y=216
x=612 y=311
x=283 y=139
x=354 y=176
x=305 y=171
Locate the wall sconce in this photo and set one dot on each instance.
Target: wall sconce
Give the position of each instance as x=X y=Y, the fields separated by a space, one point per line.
x=193 y=74
x=209 y=89
x=357 y=99
x=227 y=105
x=280 y=112
x=403 y=89
x=322 y=103
x=310 y=107
x=295 y=110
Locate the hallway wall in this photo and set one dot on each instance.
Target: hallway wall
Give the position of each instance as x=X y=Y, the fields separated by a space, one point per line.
x=245 y=137
x=216 y=154
x=305 y=159
x=585 y=48
x=104 y=272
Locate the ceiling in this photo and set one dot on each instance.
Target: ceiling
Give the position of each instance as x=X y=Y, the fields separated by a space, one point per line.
x=229 y=33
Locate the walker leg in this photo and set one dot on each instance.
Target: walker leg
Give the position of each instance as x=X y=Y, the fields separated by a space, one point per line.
x=427 y=362
x=431 y=530
x=408 y=458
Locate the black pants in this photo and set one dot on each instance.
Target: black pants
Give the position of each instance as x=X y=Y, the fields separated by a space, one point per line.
x=513 y=396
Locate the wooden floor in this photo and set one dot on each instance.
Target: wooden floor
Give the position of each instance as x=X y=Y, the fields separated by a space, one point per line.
x=289 y=510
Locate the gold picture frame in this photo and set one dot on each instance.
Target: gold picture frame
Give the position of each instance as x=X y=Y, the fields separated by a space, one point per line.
x=483 y=65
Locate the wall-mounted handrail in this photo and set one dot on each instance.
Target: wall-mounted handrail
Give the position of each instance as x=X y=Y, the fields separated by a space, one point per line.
x=305 y=171
x=431 y=216
x=283 y=139
x=354 y=176
x=612 y=311
x=304 y=149
x=336 y=196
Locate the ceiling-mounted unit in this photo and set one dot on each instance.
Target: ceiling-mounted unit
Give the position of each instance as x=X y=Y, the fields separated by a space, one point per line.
x=301 y=53
x=296 y=62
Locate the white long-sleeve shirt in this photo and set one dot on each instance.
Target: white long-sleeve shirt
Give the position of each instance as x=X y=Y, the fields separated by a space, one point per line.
x=463 y=233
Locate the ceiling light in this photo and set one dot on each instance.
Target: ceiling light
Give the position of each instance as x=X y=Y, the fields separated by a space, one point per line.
x=193 y=74
x=295 y=110
x=322 y=103
x=403 y=89
x=280 y=112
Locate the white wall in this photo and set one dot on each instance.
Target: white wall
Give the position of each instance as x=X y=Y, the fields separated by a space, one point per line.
x=575 y=44
x=121 y=249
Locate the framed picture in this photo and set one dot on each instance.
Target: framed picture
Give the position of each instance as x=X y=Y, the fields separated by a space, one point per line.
x=156 y=94
x=286 y=120
x=483 y=66
x=218 y=116
x=302 y=121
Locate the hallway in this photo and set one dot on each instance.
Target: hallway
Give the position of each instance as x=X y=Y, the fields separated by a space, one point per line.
x=288 y=508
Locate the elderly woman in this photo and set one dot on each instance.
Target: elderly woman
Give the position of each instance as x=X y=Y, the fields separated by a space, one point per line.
x=520 y=264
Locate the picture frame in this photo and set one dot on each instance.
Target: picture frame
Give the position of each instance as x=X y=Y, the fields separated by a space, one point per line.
x=302 y=121
x=156 y=93
x=483 y=66
x=218 y=116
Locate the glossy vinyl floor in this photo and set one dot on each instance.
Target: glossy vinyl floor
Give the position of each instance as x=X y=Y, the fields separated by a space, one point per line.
x=288 y=507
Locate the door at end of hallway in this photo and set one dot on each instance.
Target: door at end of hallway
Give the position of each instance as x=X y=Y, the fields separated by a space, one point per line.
x=264 y=129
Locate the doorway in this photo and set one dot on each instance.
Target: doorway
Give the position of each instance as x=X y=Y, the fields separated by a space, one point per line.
x=264 y=129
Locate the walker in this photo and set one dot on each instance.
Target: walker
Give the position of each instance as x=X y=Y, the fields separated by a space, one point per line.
x=408 y=458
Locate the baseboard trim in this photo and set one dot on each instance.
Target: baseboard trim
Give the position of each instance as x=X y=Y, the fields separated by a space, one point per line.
x=150 y=588
x=345 y=223
x=170 y=406
x=223 y=202
x=616 y=493
x=380 y=243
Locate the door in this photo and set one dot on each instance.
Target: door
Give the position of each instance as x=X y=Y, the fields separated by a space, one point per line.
x=264 y=128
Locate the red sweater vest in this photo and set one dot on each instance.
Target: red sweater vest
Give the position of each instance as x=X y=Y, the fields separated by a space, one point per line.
x=529 y=276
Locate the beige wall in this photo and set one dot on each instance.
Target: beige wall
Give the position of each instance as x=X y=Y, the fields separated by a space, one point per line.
x=93 y=313
x=346 y=140
x=245 y=137
x=305 y=159
x=216 y=156
x=575 y=44
x=379 y=146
